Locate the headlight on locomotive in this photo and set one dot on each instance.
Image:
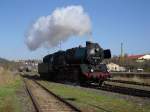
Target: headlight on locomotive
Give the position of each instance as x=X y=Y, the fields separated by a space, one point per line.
x=91 y=70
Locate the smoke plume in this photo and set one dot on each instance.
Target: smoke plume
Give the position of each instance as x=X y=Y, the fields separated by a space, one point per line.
x=59 y=26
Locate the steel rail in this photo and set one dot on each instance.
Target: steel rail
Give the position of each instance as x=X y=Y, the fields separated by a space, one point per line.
x=36 y=104
x=129 y=82
x=57 y=97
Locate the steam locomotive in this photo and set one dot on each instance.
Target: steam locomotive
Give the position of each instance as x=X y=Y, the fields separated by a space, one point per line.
x=82 y=65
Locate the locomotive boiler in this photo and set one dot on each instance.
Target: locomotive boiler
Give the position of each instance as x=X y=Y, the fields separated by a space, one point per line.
x=81 y=65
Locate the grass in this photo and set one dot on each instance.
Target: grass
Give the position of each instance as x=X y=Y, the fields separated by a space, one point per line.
x=9 y=84
x=92 y=101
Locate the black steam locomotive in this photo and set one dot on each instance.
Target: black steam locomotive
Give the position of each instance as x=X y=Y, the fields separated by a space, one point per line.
x=81 y=65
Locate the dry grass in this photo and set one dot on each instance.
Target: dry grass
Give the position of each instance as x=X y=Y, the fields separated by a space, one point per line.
x=9 y=84
x=6 y=77
x=7 y=106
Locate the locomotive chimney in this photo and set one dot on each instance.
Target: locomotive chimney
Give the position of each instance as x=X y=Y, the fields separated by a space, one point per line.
x=88 y=43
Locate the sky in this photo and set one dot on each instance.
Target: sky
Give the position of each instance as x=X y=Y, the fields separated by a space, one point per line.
x=113 y=22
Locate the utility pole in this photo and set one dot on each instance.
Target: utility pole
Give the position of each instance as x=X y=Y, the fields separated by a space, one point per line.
x=121 y=55
x=121 y=49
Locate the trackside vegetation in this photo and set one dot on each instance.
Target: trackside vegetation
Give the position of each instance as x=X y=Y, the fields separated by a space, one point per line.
x=9 y=84
x=94 y=101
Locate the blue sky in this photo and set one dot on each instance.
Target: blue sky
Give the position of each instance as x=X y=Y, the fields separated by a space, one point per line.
x=113 y=22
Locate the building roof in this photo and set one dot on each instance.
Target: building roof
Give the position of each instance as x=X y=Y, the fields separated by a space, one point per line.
x=135 y=56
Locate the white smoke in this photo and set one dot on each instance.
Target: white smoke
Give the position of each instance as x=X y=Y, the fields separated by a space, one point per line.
x=59 y=26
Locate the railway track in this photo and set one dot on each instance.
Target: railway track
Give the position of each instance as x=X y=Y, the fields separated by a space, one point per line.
x=133 y=90
x=46 y=101
x=122 y=87
x=131 y=74
x=129 y=82
x=128 y=89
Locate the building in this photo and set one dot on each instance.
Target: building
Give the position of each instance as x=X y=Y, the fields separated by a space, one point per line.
x=140 y=58
x=115 y=68
x=134 y=57
x=144 y=57
x=29 y=64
